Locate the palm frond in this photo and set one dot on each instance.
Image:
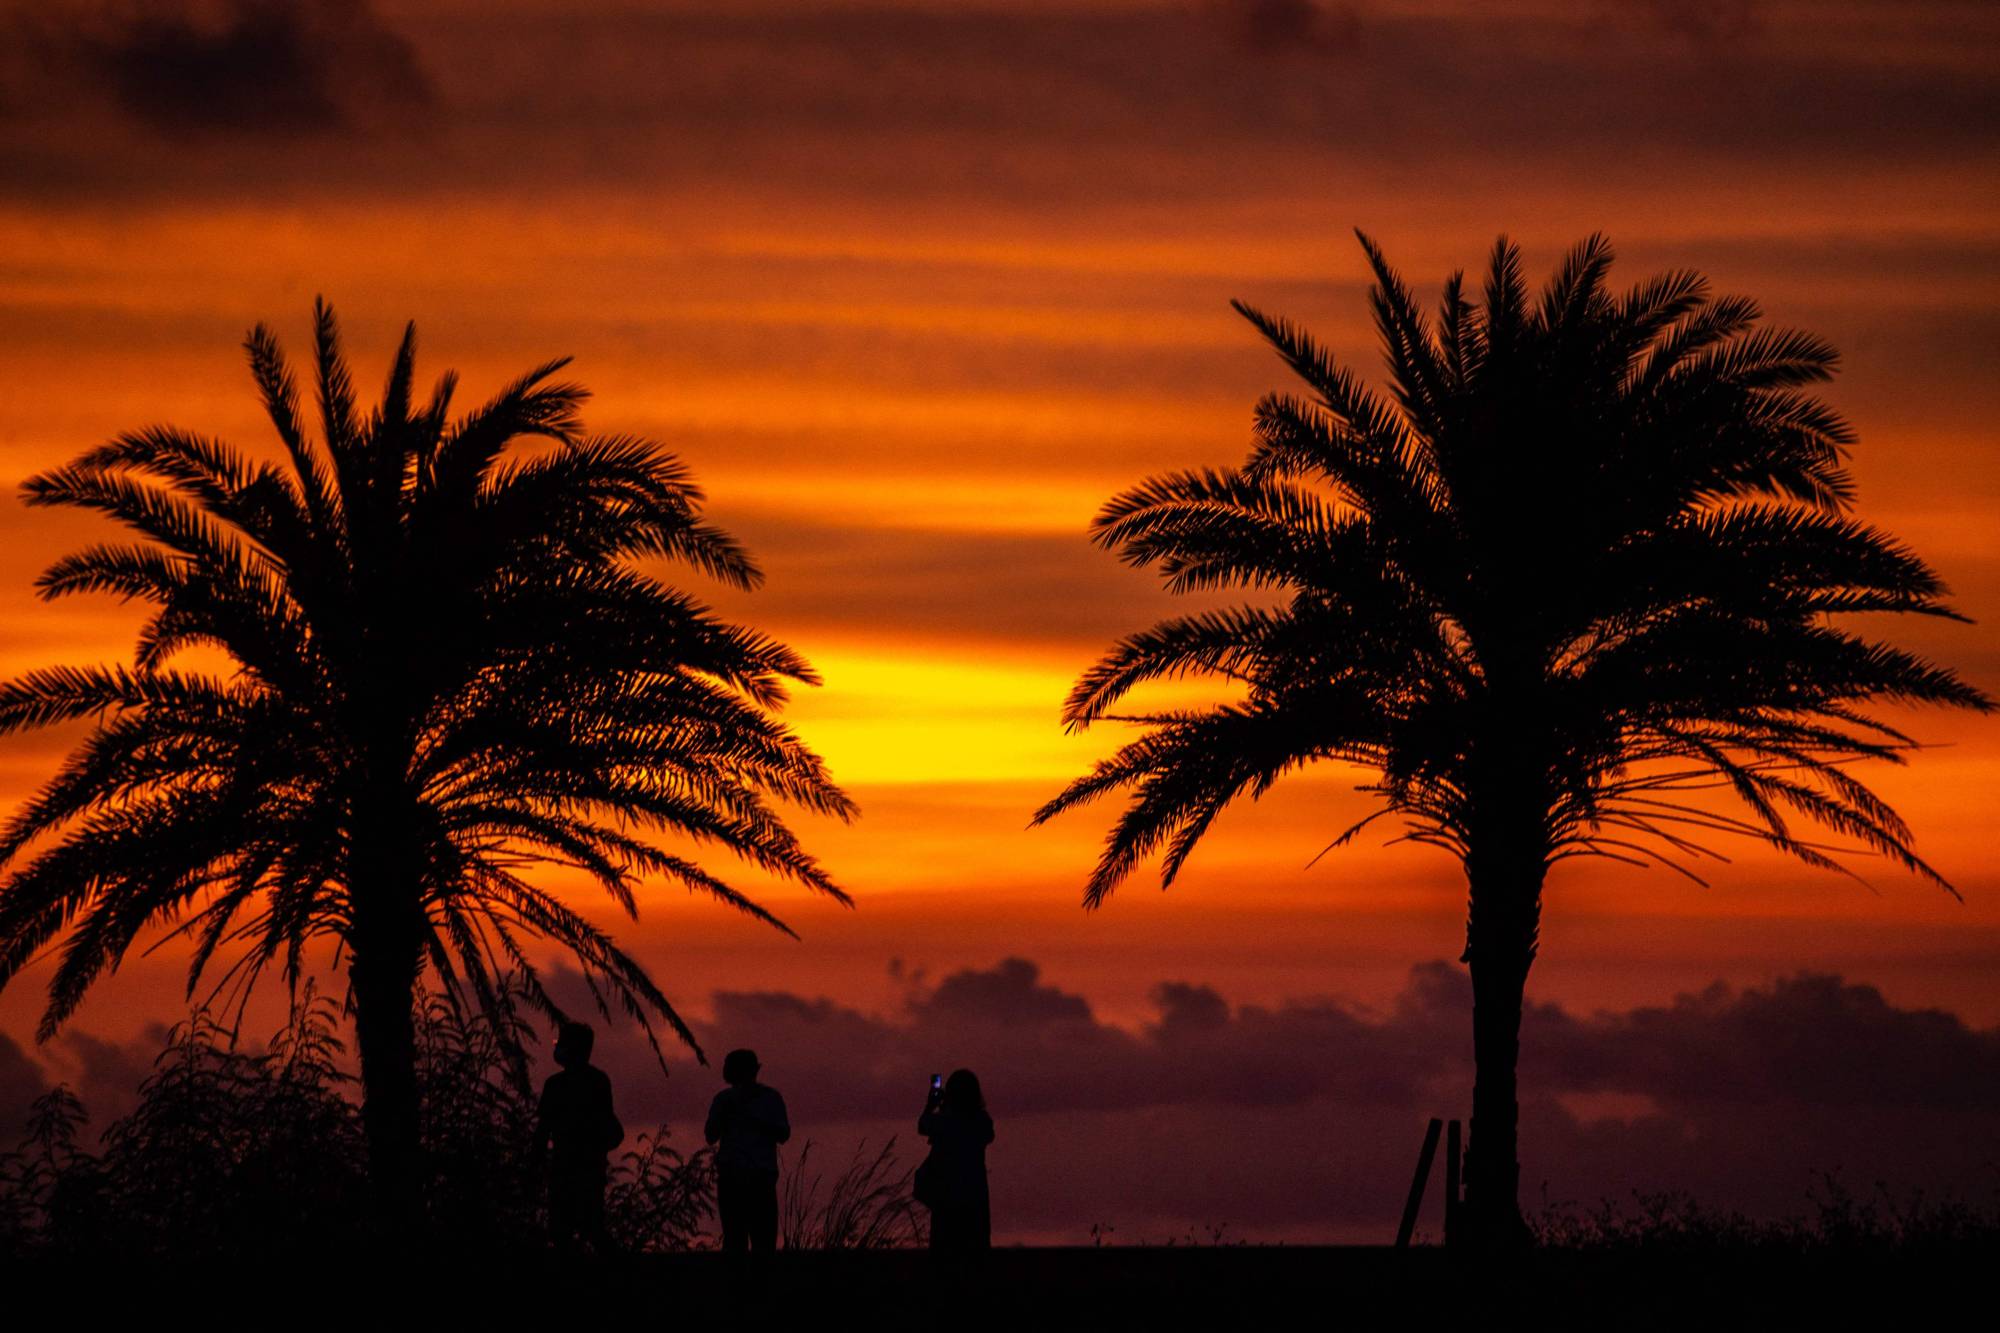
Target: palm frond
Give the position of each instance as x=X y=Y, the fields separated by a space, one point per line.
x=1581 y=573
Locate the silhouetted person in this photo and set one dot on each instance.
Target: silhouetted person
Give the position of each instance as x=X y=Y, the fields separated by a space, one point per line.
x=578 y=1129
x=958 y=1127
x=746 y=1122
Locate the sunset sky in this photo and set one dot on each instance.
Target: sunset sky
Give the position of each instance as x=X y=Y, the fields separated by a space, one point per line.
x=914 y=287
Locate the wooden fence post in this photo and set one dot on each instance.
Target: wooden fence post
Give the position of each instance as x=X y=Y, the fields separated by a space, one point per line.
x=1451 y=1184
x=1423 y=1175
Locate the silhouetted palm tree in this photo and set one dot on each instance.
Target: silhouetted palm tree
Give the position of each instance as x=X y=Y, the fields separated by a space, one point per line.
x=443 y=667
x=1581 y=564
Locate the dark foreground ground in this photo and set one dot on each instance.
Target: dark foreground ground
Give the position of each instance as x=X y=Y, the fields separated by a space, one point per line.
x=1100 y=1289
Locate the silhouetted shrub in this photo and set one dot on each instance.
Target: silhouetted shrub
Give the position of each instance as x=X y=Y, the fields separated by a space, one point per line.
x=51 y=1191
x=866 y=1205
x=1836 y=1220
x=232 y=1151
x=658 y=1199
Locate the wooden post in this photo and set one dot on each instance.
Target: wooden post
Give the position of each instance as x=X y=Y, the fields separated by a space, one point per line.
x=1451 y=1185
x=1417 y=1185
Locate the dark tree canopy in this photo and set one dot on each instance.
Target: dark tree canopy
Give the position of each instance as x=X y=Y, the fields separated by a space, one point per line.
x=1590 y=555
x=443 y=663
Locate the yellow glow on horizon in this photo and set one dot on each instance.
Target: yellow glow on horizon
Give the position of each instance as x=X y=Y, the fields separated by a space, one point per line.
x=929 y=717
x=952 y=503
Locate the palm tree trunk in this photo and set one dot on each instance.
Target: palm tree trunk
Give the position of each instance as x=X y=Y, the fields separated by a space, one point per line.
x=384 y=977
x=1503 y=924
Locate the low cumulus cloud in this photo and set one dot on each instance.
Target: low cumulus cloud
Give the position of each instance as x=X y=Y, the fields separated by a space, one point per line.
x=21 y=1081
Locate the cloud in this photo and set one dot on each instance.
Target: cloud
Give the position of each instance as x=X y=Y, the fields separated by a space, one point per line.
x=1055 y=1055
x=1706 y=22
x=1295 y=25
x=1812 y=1039
x=21 y=1081
x=1126 y=106
x=254 y=69
x=1037 y=589
x=106 y=1074
x=1009 y=995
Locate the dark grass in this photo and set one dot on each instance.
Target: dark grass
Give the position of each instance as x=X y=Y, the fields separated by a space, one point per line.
x=1109 y=1289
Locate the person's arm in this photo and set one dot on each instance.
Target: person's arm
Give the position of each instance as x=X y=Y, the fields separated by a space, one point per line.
x=611 y=1121
x=544 y=1129
x=781 y=1128
x=986 y=1129
x=927 y=1123
x=717 y=1121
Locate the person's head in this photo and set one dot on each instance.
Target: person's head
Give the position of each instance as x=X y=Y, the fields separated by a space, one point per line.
x=961 y=1092
x=573 y=1045
x=739 y=1068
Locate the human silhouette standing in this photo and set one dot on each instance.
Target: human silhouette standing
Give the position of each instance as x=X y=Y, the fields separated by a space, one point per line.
x=958 y=1127
x=577 y=1128
x=746 y=1122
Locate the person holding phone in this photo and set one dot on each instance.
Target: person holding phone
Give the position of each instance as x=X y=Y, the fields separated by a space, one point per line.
x=952 y=1180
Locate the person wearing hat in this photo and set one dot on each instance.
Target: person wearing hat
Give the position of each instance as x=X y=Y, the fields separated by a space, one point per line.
x=746 y=1123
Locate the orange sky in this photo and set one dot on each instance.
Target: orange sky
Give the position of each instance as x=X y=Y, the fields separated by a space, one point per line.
x=915 y=287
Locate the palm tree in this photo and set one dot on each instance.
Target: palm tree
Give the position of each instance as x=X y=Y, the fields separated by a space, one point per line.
x=1587 y=568
x=443 y=666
